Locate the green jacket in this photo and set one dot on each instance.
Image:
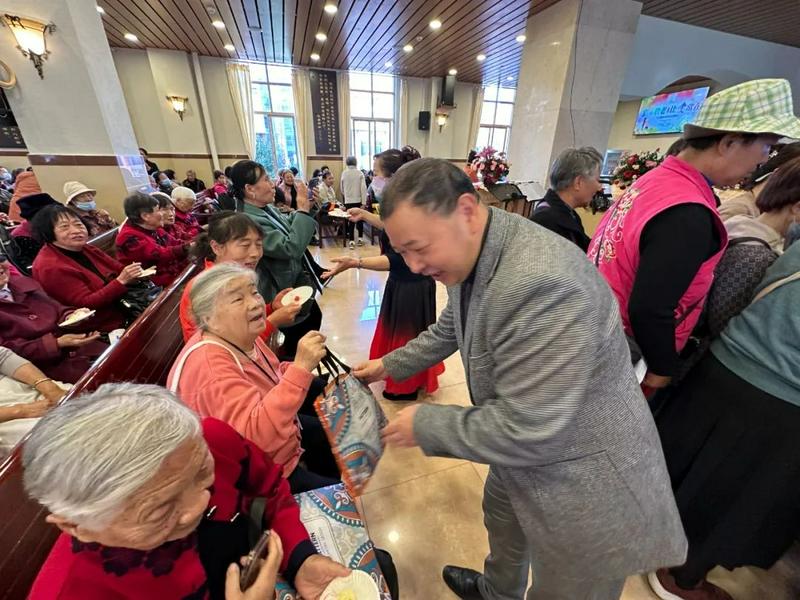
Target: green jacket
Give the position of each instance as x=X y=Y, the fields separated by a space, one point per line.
x=285 y=240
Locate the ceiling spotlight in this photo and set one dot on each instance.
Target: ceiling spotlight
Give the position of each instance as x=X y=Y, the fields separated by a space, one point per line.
x=521 y=38
x=452 y=71
x=229 y=47
x=131 y=38
x=101 y=10
x=314 y=56
x=408 y=48
x=218 y=24
x=388 y=64
x=331 y=8
x=481 y=57
x=435 y=24
x=321 y=36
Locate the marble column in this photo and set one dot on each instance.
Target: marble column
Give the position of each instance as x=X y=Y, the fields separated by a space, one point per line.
x=573 y=65
x=75 y=120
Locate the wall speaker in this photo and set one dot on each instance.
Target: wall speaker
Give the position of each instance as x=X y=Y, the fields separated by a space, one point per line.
x=424 y=120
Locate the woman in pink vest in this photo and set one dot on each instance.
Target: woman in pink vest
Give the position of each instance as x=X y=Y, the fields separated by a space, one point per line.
x=659 y=244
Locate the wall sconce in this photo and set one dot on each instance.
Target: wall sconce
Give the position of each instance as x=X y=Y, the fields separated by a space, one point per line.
x=441 y=120
x=178 y=104
x=30 y=36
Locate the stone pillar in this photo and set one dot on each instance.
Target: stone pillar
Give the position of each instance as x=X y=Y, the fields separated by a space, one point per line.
x=75 y=121
x=573 y=65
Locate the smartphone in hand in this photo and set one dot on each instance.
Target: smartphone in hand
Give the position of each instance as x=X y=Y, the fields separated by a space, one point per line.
x=253 y=562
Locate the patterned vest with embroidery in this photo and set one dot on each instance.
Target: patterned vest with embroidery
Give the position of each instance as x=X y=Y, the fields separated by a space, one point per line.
x=615 y=246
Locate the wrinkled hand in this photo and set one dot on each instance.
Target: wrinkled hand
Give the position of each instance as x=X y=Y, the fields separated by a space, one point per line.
x=315 y=574
x=356 y=214
x=285 y=315
x=342 y=263
x=277 y=301
x=36 y=409
x=371 y=371
x=301 y=187
x=76 y=340
x=263 y=587
x=400 y=430
x=130 y=273
x=656 y=381
x=304 y=203
x=51 y=391
x=310 y=350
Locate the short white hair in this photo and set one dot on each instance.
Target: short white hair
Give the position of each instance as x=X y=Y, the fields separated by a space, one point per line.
x=207 y=287
x=85 y=458
x=183 y=193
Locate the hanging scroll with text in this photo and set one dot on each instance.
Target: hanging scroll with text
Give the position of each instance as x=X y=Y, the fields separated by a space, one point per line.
x=325 y=107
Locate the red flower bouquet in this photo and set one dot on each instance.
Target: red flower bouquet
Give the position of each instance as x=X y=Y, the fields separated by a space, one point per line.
x=490 y=165
x=633 y=166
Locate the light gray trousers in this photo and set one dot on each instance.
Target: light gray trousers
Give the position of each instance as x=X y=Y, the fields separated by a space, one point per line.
x=512 y=556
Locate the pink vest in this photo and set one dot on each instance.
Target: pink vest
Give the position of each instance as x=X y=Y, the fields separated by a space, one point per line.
x=615 y=246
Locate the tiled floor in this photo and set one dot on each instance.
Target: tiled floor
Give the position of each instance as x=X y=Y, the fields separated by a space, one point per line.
x=427 y=511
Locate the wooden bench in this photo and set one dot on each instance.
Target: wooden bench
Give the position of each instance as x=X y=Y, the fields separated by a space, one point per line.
x=107 y=242
x=144 y=354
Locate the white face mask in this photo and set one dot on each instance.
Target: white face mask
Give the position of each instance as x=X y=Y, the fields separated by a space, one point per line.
x=91 y=205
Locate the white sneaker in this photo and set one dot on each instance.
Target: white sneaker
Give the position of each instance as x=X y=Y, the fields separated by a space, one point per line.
x=360 y=243
x=352 y=245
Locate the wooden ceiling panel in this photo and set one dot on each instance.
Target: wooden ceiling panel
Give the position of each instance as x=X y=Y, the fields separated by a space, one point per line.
x=365 y=34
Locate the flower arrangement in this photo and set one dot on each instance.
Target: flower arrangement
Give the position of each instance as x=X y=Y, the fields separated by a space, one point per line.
x=490 y=165
x=633 y=166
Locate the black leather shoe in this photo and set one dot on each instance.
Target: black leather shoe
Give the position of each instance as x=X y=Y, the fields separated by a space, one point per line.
x=463 y=582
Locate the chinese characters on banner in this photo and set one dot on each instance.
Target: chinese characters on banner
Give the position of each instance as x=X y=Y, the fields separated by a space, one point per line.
x=325 y=107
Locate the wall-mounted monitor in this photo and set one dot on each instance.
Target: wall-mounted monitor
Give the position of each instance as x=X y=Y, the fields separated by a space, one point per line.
x=668 y=113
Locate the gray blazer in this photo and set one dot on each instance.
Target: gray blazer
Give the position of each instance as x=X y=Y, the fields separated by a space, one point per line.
x=557 y=411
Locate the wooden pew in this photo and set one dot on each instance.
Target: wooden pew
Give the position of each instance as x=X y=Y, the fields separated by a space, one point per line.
x=144 y=354
x=107 y=242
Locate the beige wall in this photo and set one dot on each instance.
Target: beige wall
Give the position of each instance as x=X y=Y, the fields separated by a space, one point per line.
x=12 y=162
x=622 y=138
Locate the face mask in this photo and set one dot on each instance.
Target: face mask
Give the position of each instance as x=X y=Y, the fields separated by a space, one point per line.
x=91 y=205
x=378 y=183
x=166 y=183
x=6 y=176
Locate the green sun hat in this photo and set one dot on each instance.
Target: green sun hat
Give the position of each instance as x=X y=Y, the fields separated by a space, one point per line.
x=758 y=106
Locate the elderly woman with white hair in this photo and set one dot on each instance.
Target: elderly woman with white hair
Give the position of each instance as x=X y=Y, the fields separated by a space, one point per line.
x=154 y=503
x=186 y=223
x=228 y=372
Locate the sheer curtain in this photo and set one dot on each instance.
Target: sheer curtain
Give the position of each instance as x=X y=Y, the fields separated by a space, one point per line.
x=402 y=115
x=301 y=89
x=475 y=122
x=242 y=95
x=343 y=83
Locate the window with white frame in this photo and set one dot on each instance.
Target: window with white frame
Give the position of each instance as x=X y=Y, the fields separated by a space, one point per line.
x=273 y=107
x=372 y=111
x=496 y=113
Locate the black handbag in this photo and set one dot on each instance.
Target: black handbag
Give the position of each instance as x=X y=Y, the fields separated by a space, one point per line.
x=137 y=298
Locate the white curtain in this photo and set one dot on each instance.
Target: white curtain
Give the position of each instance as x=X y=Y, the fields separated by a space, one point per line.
x=343 y=83
x=475 y=122
x=242 y=95
x=301 y=89
x=402 y=115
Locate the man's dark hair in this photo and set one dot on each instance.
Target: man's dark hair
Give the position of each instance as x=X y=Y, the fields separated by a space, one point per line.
x=294 y=170
x=143 y=151
x=706 y=142
x=350 y=161
x=430 y=183
x=138 y=204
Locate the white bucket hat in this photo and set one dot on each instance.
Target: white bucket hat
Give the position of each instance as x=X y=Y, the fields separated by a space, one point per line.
x=75 y=188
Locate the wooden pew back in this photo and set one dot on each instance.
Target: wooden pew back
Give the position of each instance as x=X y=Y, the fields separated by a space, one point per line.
x=107 y=242
x=144 y=354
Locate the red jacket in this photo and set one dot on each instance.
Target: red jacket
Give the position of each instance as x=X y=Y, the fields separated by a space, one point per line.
x=73 y=284
x=29 y=327
x=152 y=249
x=78 y=571
x=187 y=226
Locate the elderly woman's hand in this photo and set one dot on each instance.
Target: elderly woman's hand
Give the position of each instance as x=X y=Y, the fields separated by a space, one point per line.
x=263 y=587
x=130 y=273
x=285 y=315
x=76 y=340
x=310 y=350
x=315 y=574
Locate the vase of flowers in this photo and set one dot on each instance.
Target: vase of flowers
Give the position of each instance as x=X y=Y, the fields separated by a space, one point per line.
x=490 y=166
x=633 y=166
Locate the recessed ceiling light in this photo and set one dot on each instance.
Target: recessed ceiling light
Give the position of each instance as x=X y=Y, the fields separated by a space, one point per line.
x=408 y=48
x=481 y=57
x=101 y=10
x=331 y=8
x=314 y=56
x=521 y=38
x=230 y=47
x=131 y=38
x=435 y=24
x=218 y=24
x=452 y=71
x=388 y=64
x=321 y=36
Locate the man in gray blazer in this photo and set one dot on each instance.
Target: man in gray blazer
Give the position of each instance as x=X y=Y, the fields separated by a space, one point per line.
x=577 y=487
